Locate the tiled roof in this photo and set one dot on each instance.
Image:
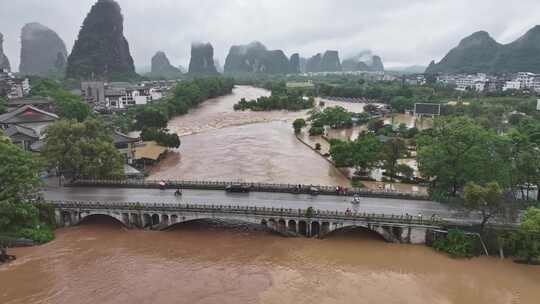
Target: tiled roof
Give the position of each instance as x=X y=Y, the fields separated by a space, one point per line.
x=120 y=138
x=427 y=108
x=14 y=129
x=27 y=114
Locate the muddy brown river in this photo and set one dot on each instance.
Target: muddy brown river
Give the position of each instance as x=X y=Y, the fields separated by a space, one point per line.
x=102 y=262
x=219 y=144
x=105 y=263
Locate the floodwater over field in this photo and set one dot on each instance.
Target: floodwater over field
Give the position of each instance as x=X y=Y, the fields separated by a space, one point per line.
x=220 y=144
x=101 y=262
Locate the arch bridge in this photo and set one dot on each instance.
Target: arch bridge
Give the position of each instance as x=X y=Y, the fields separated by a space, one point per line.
x=308 y=223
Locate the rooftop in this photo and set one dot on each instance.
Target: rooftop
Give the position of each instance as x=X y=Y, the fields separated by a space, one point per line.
x=27 y=114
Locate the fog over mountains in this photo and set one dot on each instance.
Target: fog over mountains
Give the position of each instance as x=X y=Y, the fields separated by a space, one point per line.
x=402 y=33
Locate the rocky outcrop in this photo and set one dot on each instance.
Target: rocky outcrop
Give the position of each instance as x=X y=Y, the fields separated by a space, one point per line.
x=256 y=58
x=330 y=62
x=294 y=64
x=202 y=59
x=161 y=67
x=43 y=52
x=327 y=62
x=474 y=53
x=101 y=51
x=4 y=61
x=481 y=53
x=377 y=64
x=365 y=61
x=313 y=64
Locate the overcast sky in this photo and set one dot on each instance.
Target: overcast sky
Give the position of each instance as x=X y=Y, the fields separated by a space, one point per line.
x=403 y=32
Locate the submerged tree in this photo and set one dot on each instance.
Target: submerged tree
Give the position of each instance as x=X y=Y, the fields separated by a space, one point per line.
x=487 y=200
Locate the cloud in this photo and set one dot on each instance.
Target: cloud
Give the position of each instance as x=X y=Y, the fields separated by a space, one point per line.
x=402 y=32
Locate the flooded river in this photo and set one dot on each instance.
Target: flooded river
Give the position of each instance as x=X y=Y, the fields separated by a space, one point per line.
x=101 y=262
x=220 y=144
x=199 y=264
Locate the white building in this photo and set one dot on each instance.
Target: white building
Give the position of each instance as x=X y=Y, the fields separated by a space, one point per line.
x=512 y=85
x=471 y=82
x=121 y=98
x=13 y=87
x=538 y=105
x=525 y=79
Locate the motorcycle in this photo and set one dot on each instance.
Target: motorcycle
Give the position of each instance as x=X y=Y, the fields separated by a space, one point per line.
x=178 y=192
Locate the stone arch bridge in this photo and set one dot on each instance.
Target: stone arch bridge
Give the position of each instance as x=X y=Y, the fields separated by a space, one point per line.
x=308 y=223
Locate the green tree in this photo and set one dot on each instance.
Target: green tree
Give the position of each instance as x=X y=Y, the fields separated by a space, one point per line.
x=526 y=241
x=298 y=124
x=3 y=105
x=487 y=200
x=405 y=171
x=375 y=125
x=66 y=104
x=392 y=151
x=19 y=173
x=151 y=117
x=363 y=153
x=334 y=117
x=457 y=151
x=82 y=149
x=162 y=137
x=456 y=244
x=69 y=106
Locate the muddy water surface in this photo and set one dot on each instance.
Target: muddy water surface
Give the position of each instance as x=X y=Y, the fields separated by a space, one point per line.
x=196 y=264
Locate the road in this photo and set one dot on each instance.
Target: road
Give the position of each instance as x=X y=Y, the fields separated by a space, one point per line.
x=259 y=199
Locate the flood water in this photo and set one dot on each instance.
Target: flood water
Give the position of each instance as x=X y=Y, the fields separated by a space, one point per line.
x=219 y=144
x=102 y=262
x=105 y=263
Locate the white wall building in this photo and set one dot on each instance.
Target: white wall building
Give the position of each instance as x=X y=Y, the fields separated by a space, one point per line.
x=512 y=85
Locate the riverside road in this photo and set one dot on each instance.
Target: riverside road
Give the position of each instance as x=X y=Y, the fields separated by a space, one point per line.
x=258 y=199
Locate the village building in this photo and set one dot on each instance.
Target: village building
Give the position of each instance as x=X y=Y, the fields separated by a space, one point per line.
x=26 y=125
x=13 y=87
x=125 y=145
x=119 y=95
x=426 y=110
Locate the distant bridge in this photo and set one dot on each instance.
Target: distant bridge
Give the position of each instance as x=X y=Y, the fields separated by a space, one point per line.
x=308 y=223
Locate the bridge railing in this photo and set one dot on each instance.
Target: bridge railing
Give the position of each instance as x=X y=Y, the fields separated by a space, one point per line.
x=258 y=187
x=256 y=211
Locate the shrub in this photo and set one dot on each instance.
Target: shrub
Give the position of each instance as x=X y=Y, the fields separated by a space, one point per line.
x=316 y=131
x=456 y=244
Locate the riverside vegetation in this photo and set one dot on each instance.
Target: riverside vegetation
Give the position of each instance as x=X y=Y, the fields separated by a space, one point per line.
x=81 y=145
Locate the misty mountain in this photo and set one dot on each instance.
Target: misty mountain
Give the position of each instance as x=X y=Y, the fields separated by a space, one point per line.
x=327 y=62
x=364 y=61
x=101 y=50
x=479 y=52
x=294 y=64
x=161 y=67
x=43 y=52
x=202 y=59
x=4 y=61
x=256 y=58
x=413 y=69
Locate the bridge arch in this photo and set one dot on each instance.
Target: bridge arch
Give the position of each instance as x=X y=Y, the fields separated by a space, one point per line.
x=87 y=216
x=380 y=232
x=292 y=226
x=303 y=228
x=155 y=219
x=184 y=221
x=315 y=229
